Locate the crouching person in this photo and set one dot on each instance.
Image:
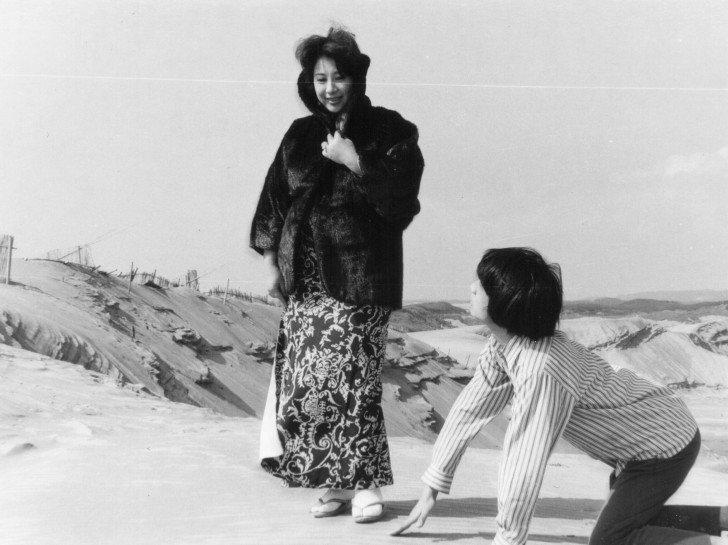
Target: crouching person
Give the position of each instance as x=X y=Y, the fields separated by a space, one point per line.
x=559 y=389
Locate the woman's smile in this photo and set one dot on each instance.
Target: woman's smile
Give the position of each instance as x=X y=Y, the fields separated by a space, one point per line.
x=333 y=89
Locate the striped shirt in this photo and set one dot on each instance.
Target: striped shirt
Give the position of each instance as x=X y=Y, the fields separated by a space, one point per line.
x=557 y=388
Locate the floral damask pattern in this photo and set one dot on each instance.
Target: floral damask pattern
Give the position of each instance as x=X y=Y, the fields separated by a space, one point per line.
x=328 y=387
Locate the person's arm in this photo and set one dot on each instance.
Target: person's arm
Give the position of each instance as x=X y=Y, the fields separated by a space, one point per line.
x=485 y=396
x=540 y=411
x=388 y=178
x=273 y=205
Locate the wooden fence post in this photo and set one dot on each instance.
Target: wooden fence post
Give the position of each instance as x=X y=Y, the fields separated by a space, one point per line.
x=131 y=277
x=10 y=259
x=192 y=280
x=7 y=240
x=224 y=299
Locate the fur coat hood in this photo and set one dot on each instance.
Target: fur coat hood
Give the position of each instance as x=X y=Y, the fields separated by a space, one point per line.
x=333 y=122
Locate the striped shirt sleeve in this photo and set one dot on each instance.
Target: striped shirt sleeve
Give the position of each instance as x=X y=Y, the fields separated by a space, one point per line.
x=540 y=412
x=485 y=396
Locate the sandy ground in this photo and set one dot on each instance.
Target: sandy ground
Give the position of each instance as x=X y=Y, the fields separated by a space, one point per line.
x=84 y=462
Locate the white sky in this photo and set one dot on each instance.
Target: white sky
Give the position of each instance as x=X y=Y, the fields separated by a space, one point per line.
x=596 y=132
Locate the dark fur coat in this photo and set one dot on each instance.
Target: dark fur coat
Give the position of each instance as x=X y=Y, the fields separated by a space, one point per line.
x=356 y=221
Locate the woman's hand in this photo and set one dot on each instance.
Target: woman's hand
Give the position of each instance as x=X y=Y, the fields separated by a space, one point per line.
x=275 y=278
x=341 y=150
x=275 y=287
x=420 y=511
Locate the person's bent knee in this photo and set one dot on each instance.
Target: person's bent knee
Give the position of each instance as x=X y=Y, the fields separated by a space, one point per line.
x=611 y=536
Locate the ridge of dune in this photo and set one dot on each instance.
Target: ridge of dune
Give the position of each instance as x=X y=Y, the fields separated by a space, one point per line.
x=683 y=355
x=667 y=352
x=129 y=334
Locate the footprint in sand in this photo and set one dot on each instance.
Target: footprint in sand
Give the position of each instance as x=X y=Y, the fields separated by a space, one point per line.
x=19 y=449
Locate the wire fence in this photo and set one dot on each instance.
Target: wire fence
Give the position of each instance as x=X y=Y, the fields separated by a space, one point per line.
x=80 y=255
x=189 y=280
x=150 y=278
x=239 y=294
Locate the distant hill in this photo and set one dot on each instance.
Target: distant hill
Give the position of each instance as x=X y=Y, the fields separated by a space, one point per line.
x=647 y=308
x=429 y=316
x=684 y=296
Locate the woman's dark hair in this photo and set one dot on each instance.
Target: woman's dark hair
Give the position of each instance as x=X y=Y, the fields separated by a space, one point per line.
x=525 y=295
x=340 y=46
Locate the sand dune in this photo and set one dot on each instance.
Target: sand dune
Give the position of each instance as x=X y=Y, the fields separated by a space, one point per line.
x=83 y=461
x=186 y=346
x=664 y=351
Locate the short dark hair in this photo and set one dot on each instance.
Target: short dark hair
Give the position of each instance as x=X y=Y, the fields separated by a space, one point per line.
x=525 y=295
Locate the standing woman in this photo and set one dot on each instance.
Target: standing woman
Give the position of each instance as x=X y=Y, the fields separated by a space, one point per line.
x=341 y=190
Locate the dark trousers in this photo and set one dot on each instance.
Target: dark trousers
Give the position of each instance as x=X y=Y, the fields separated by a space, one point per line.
x=635 y=512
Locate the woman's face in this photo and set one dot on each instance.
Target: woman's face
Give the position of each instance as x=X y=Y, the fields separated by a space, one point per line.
x=478 y=301
x=333 y=89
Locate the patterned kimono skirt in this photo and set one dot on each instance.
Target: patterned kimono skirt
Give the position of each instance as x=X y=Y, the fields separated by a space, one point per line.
x=328 y=389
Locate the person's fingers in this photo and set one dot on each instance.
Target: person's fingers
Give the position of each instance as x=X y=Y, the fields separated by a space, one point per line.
x=417 y=515
x=409 y=522
x=422 y=519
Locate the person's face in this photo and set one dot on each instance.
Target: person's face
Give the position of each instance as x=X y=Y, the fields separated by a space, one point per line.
x=333 y=89
x=478 y=301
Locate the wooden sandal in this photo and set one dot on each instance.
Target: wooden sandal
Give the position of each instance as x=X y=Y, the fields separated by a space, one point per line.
x=358 y=512
x=343 y=505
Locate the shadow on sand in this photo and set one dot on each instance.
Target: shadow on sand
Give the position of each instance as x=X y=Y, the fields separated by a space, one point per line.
x=557 y=508
x=560 y=508
x=489 y=536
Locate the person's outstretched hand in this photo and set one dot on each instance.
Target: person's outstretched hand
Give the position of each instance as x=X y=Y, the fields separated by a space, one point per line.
x=420 y=511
